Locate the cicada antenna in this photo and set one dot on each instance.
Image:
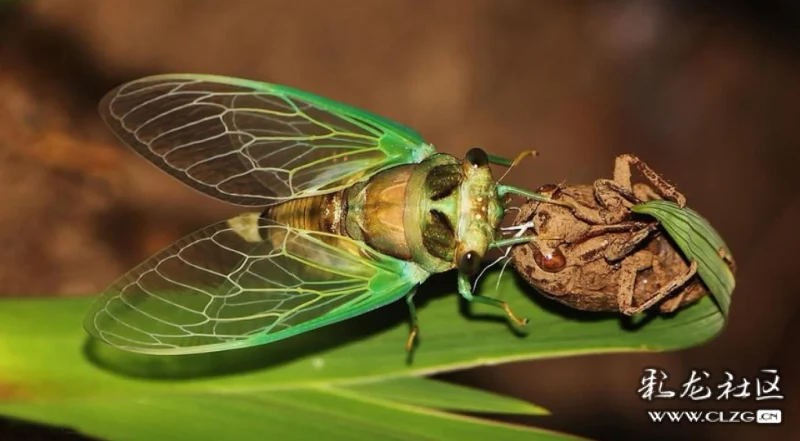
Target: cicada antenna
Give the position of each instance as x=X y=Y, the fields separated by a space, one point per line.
x=500 y=277
x=477 y=279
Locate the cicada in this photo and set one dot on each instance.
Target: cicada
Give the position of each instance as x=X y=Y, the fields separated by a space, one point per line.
x=349 y=211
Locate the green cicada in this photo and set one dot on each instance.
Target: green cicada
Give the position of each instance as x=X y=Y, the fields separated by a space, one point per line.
x=355 y=211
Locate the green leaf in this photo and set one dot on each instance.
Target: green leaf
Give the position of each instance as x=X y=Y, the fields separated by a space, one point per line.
x=440 y=395
x=50 y=372
x=295 y=414
x=699 y=242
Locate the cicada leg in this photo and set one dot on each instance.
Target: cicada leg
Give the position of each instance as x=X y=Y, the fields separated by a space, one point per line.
x=466 y=292
x=412 y=335
x=609 y=191
x=510 y=163
x=509 y=241
x=631 y=268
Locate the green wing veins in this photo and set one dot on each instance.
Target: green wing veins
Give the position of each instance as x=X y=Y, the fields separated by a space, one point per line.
x=245 y=283
x=251 y=143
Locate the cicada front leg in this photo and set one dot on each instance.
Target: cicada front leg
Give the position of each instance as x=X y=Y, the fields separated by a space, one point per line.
x=465 y=289
x=412 y=334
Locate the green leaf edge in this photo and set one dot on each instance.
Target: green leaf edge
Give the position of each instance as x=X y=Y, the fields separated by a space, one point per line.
x=699 y=242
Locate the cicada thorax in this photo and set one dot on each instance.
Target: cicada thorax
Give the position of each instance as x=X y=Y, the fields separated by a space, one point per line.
x=376 y=209
x=432 y=212
x=416 y=212
x=370 y=211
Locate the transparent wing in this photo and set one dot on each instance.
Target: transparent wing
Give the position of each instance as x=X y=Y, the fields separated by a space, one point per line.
x=252 y=143
x=245 y=282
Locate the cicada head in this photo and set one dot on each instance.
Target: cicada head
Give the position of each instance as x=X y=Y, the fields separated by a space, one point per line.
x=481 y=211
x=460 y=212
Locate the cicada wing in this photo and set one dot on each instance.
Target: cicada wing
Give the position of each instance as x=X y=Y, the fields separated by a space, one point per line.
x=252 y=143
x=245 y=282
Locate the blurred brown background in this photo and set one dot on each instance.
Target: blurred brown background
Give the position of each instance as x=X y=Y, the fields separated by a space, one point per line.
x=708 y=95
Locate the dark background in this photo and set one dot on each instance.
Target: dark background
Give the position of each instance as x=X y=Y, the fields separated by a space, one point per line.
x=708 y=93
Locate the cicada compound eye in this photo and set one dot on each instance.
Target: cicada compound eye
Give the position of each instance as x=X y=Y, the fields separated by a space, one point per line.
x=470 y=263
x=477 y=157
